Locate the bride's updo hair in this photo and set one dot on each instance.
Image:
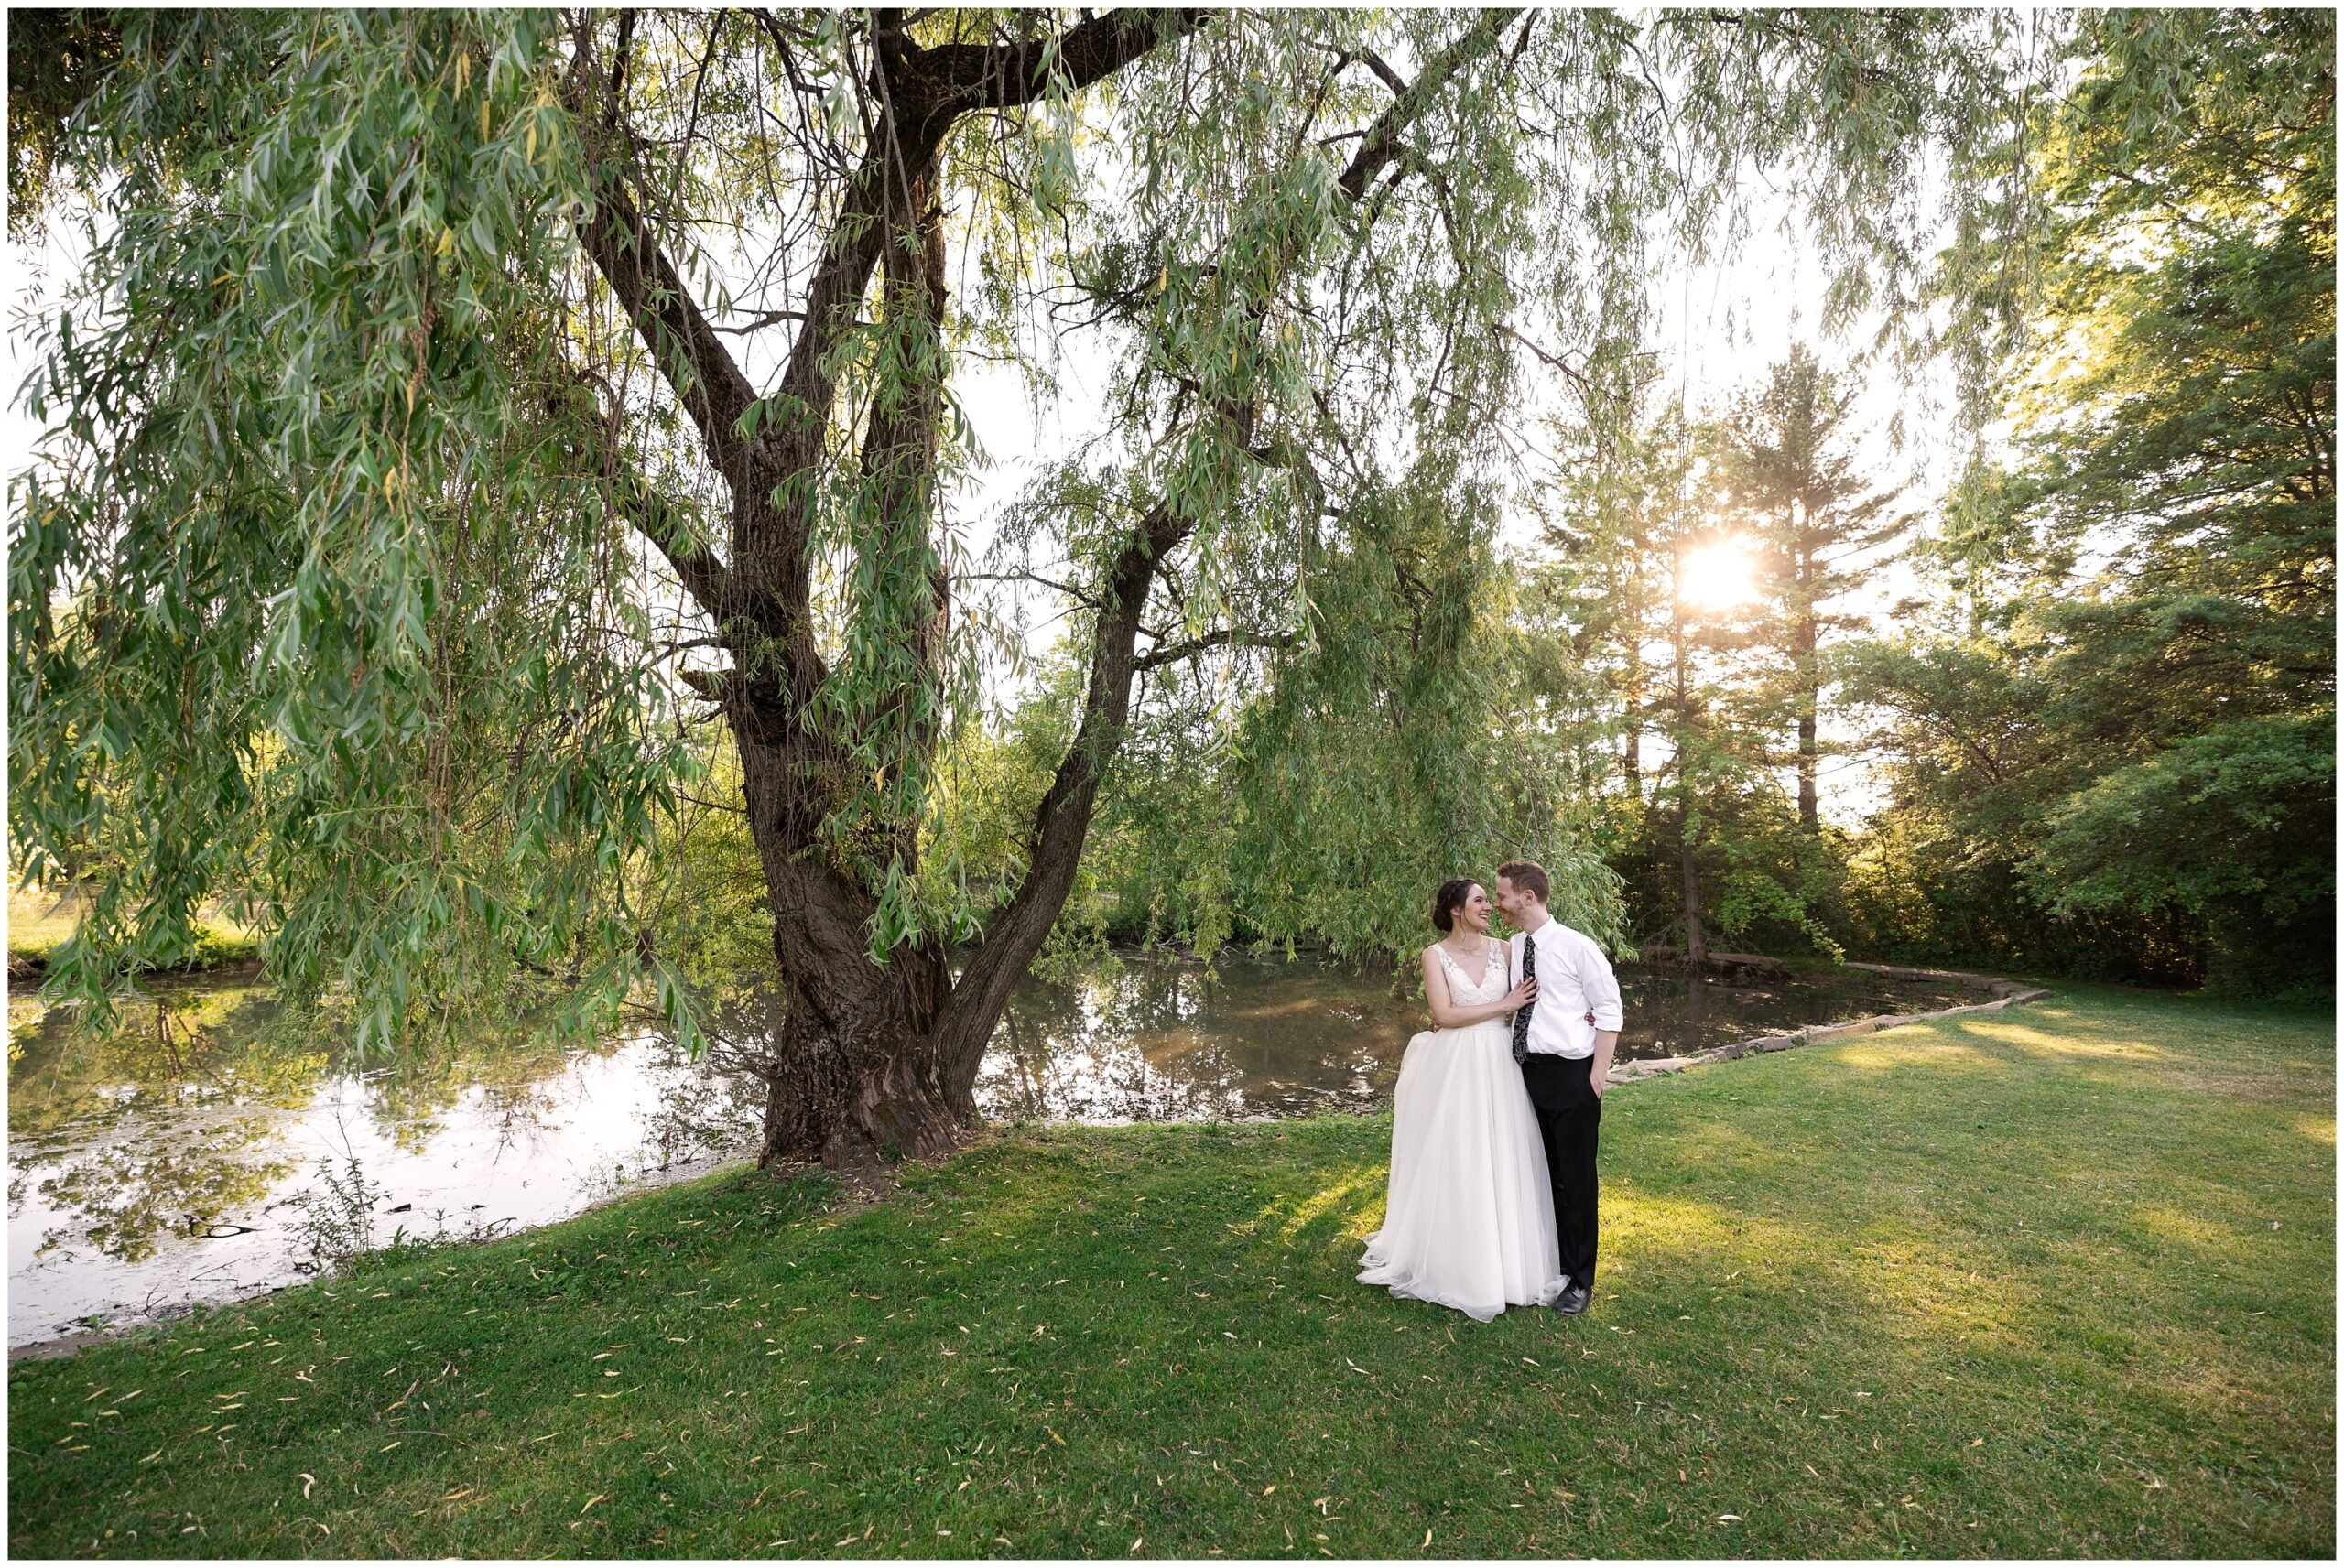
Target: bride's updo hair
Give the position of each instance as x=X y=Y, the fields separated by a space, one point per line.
x=1449 y=898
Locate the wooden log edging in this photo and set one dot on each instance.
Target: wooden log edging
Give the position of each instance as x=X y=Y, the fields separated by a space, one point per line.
x=2007 y=994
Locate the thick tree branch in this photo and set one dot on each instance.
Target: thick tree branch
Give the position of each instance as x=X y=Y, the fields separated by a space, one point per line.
x=667 y=526
x=927 y=90
x=1226 y=637
x=682 y=343
x=1063 y=820
x=669 y=530
x=1001 y=76
x=1383 y=143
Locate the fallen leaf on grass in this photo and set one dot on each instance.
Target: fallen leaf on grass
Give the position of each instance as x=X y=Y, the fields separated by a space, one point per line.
x=599 y=1497
x=307 y=1481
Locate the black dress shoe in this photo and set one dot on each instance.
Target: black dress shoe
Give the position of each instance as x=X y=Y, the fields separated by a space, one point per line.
x=1572 y=1301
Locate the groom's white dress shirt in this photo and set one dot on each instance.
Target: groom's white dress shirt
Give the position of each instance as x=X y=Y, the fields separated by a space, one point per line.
x=1574 y=979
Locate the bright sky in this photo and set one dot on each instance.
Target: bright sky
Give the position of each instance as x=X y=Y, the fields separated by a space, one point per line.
x=1722 y=328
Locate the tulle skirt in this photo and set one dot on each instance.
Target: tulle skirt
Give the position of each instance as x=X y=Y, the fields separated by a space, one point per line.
x=1468 y=1218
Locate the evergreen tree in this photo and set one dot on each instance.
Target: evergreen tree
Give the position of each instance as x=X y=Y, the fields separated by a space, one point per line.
x=2136 y=724
x=1791 y=469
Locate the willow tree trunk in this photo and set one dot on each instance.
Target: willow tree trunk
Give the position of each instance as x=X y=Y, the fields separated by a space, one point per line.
x=874 y=1056
x=870 y=1057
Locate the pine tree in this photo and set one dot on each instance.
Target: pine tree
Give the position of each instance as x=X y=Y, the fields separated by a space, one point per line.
x=1789 y=467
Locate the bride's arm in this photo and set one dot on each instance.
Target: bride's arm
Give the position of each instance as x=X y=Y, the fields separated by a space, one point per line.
x=1444 y=1016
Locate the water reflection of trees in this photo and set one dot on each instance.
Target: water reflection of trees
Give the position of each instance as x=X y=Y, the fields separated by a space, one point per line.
x=1671 y=1011
x=165 y=1125
x=714 y=1105
x=1181 y=1042
x=124 y=1197
x=188 y=1114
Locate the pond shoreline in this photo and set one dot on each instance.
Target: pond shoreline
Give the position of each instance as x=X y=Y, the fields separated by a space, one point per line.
x=33 y=965
x=691 y=1168
x=2006 y=993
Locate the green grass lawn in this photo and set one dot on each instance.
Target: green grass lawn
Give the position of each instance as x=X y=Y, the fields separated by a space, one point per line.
x=2053 y=1281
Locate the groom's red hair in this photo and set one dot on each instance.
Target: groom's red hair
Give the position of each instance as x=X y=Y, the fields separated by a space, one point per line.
x=1529 y=876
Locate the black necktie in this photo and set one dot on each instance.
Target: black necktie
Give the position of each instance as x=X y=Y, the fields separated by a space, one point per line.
x=1522 y=1013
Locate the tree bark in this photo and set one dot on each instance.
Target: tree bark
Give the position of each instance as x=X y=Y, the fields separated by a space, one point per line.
x=1697 y=946
x=1688 y=860
x=1809 y=694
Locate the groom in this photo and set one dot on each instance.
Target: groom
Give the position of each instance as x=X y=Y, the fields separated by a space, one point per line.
x=1564 y=1041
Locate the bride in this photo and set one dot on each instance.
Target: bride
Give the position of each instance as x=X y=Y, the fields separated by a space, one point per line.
x=1469 y=1216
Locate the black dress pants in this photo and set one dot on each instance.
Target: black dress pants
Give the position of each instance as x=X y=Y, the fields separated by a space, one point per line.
x=1569 y=1111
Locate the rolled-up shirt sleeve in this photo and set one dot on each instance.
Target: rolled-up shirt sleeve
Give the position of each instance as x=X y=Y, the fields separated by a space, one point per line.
x=1600 y=986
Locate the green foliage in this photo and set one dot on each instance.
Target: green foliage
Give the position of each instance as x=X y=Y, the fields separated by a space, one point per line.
x=1785 y=451
x=2242 y=816
x=702 y=893
x=1410 y=746
x=1698 y=825
x=319 y=597
x=55 y=58
x=2136 y=723
x=345 y=587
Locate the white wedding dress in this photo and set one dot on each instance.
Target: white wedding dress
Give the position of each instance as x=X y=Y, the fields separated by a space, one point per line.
x=1468 y=1218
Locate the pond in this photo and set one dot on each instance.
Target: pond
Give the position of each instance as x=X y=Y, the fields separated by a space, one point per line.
x=209 y=1151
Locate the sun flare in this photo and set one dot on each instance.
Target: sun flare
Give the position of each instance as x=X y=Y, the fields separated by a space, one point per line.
x=1717 y=576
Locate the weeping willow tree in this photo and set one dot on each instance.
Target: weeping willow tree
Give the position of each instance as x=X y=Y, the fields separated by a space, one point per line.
x=451 y=405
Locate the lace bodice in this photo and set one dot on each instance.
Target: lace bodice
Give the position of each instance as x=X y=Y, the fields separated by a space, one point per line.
x=1462 y=991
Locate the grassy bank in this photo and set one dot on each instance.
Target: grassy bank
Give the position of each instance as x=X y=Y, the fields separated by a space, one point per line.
x=2054 y=1282
x=40 y=923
